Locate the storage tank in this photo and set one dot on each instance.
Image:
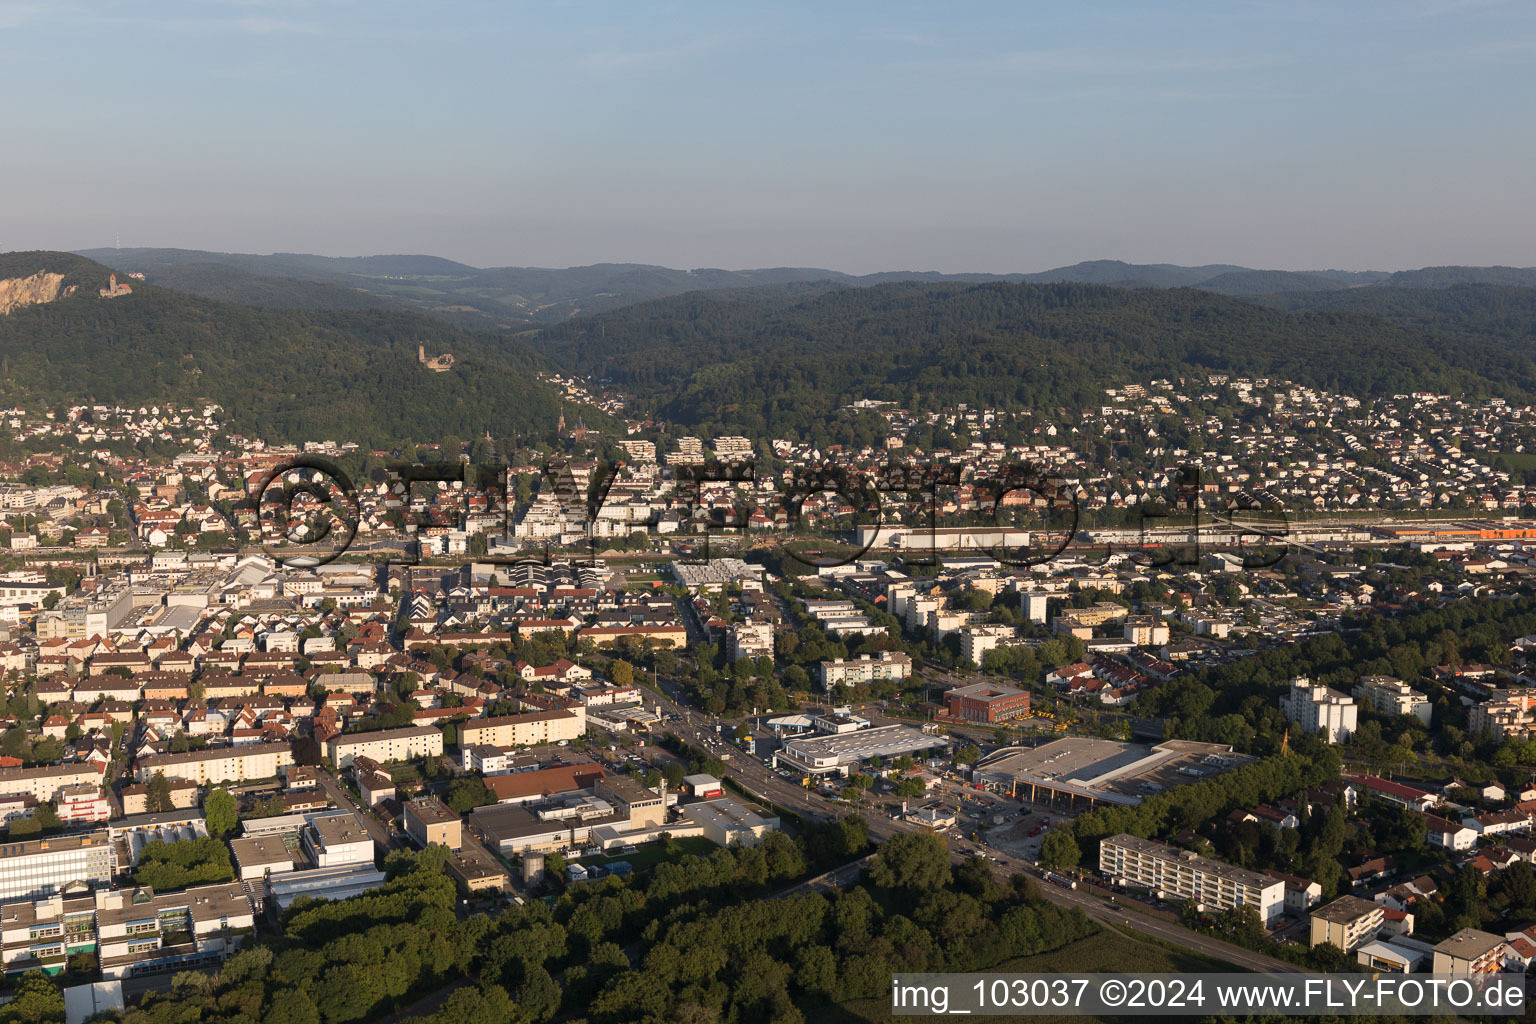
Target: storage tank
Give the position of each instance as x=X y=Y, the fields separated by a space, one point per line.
x=533 y=868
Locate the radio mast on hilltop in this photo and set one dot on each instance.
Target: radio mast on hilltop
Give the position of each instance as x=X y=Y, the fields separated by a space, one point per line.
x=117 y=240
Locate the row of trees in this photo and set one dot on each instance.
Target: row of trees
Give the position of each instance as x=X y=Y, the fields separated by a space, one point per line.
x=699 y=939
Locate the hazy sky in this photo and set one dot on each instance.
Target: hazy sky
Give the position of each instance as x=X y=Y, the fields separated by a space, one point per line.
x=1004 y=136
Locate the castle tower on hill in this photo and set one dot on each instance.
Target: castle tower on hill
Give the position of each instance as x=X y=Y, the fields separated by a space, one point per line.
x=113 y=289
x=437 y=364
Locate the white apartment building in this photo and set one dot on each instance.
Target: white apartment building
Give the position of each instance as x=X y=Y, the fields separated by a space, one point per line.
x=1176 y=875
x=221 y=764
x=386 y=745
x=749 y=640
x=976 y=641
x=1318 y=709
x=732 y=449
x=1391 y=696
x=43 y=783
x=1146 y=630
x=865 y=669
x=1035 y=605
x=522 y=730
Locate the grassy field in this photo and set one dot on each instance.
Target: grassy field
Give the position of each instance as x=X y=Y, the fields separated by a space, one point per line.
x=1109 y=951
x=648 y=856
x=1520 y=460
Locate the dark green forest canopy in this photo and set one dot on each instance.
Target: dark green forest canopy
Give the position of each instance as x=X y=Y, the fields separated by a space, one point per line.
x=782 y=361
x=767 y=361
x=286 y=375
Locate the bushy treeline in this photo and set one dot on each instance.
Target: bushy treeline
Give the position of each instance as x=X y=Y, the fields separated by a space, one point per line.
x=700 y=939
x=1189 y=807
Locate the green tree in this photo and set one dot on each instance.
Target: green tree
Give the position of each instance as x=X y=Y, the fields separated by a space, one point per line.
x=158 y=799
x=622 y=673
x=912 y=861
x=1059 y=851
x=221 y=812
x=35 y=1000
x=291 y=1006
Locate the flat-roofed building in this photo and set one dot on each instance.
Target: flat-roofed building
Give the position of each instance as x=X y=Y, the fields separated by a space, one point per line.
x=1103 y=771
x=1320 y=710
x=986 y=702
x=643 y=807
x=1396 y=955
x=703 y=786
x=1347 y=922
x=1146 y=630
x=428 y=820
x=484 y=759
x=256 y=857
x=1470 y=951
x=386 y=745
x=336 y=839
x=725 y=821
x=893 y=666
x=1389 y=696
x=36 y=868
x=1179 y=875
x=513 y=828
x=140 y=931
x=334 y=883
x=840 y=754
x=475 y=872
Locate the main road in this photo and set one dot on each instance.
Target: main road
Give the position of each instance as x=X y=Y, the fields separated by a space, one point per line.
x=756 y=778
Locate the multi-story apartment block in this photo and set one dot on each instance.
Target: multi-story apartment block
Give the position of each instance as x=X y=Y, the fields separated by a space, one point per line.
x=732 y=449
x=221 y=764
x=43 y=783
x=386 y=745
x=1320 y=710
x=749 y=640
x=888 y=665
x=1347 y=922
x=1500 y=719
x=1181 y=875
x=522 y=730
x=1391 y=696
x=428 y=820
x=688 y=451
x=1146 y=630
x=976 y=641
x=1470 y=951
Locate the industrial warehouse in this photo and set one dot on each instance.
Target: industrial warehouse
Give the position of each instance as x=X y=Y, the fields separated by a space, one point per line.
x=1103 y=771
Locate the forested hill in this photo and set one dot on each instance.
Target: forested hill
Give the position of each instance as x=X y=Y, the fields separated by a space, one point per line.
x=783 y=362
x=290 y=375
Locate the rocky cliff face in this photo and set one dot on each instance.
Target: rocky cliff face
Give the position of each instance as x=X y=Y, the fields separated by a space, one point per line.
x=16 y=292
